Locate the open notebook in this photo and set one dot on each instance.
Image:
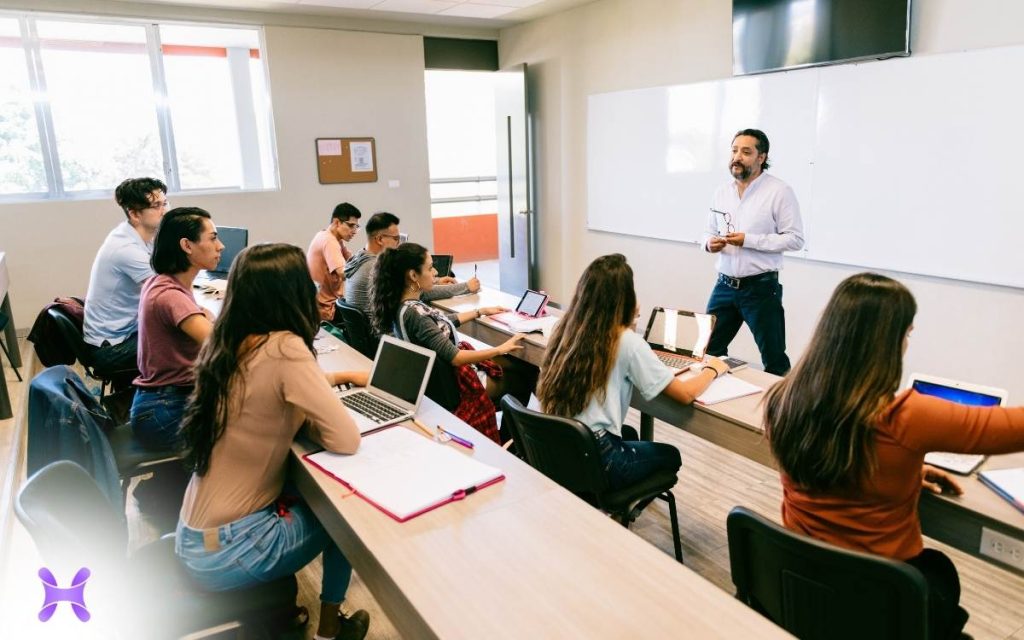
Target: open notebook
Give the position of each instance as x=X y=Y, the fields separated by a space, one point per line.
x=1009 y=483
x=404 y=474
x=727 y=387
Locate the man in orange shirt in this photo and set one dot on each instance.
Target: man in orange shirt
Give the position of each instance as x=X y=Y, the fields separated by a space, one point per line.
x=327 y=255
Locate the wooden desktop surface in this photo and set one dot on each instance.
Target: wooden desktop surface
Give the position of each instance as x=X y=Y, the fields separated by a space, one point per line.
x=737 y=426
x=523 y=558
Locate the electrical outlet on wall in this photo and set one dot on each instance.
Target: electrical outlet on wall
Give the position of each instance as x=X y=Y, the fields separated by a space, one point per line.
x=1003 y=548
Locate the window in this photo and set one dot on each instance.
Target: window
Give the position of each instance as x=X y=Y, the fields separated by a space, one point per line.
x=117 y=99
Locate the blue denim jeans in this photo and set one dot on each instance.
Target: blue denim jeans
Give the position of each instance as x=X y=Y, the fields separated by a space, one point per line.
x=262 y=547
x=759 y=304
x=156 y=416
x=627 y=462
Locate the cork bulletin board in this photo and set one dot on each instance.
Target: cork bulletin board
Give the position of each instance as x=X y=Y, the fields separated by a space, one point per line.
x=342 y=160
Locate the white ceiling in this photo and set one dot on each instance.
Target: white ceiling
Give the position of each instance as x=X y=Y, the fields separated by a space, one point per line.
x=478 y=13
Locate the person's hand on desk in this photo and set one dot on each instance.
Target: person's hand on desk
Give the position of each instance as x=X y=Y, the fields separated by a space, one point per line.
x=937 y=480
x=510 y=345
x=358 y=378
x=735 y=238
x=716 y=244
x=714 y=365
x=473 y=284
x=490 y=311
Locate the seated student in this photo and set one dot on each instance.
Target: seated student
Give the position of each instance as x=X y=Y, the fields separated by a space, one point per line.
x=382 y=233
x=593 y=361
x=851 y=450
x=257 y=383
x=327 y=254
x=121 y=266
x=400 y=276
x=171 y=325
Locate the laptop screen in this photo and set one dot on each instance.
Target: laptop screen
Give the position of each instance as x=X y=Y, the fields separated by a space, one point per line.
x=235 y=239
x=682 y=332
x=399 y=371
x=443 y=263
x=960 y=396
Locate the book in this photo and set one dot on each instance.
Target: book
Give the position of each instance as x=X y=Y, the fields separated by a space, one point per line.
x=404 y=474
x=1008 y=483
x=727 y=387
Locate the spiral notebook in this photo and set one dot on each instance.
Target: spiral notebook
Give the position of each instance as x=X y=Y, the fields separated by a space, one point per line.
x=404 y=474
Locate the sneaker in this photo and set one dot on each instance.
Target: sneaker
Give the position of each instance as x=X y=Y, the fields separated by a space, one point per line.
x=353 y=627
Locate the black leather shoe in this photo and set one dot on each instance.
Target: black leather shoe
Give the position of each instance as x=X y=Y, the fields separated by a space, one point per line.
x=353 y=627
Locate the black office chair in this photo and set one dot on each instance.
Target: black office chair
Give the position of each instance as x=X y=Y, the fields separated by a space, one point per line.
x=73 y=339
x=357 y=329
x=565 y=450
x=816 y=590
x=149 y=594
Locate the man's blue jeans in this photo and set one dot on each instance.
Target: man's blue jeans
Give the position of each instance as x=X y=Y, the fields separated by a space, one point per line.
x=758 y=302
x=262 y=547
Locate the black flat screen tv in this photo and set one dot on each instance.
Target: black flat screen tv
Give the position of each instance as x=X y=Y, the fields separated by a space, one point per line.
x=772 y=35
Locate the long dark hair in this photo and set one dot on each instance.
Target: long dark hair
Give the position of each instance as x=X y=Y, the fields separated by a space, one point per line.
x=821 y=418
x=387 y=283
x=269 y=289
x=182 y=222
x=581 y=352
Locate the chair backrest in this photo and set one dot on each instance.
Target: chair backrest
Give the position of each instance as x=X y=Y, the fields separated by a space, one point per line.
x=70 y=520
x=817 y=590
x=563 y=449
x=72 y=336
x=357 y=329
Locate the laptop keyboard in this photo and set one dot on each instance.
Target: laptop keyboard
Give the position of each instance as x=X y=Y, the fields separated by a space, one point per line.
x=372 y=407
x=676 y=362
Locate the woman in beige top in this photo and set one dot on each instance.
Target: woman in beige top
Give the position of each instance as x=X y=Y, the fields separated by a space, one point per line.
x=257 y=383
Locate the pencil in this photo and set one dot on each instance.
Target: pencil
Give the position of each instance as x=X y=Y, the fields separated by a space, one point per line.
x=422 y=427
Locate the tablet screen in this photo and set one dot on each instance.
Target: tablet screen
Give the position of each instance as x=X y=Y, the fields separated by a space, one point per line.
x=960 y=396
x=532 y=303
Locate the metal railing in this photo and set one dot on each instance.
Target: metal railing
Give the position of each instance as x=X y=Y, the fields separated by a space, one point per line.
x=473 y=198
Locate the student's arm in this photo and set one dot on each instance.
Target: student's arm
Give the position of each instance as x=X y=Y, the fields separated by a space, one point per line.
x=181 y=310
x=468 y=356
x=305 y=387
x=197 y=327
x=423 y=331
x=651 y=377
x=358 y=378
x=686 y=391
x=923 y=423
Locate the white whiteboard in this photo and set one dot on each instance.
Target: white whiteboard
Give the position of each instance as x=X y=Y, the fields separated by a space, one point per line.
x=907 y=164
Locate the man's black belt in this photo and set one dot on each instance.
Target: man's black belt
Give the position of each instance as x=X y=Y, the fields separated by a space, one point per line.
x=739 y=283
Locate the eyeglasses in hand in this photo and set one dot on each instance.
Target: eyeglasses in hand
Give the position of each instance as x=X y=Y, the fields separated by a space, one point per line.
x=727 y=218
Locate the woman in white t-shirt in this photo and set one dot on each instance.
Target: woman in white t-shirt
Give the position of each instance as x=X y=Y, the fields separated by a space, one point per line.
x=594 y=360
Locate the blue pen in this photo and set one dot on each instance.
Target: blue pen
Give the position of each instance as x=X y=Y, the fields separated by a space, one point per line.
x=466 y=443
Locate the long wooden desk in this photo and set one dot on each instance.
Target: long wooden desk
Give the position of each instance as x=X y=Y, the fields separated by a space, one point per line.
x=737 y=426
x=520 y=559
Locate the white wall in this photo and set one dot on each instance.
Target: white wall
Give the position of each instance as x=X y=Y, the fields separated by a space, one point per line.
x=967 y=331
x=324 y=82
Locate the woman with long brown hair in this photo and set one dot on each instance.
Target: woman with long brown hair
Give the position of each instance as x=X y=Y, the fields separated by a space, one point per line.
x=257 y=383
x=399 y=278
x=594 y=360
x=851 y=449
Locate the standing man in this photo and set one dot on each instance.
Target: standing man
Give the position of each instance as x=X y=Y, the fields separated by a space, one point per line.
x=111 y=326
x=753 y=220
x=327 y=255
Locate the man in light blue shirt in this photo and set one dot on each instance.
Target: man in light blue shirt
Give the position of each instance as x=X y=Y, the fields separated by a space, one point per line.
x=753 y=219
x=115 y=283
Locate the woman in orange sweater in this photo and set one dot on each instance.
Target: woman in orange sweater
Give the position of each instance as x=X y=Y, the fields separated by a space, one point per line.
x=852 y=451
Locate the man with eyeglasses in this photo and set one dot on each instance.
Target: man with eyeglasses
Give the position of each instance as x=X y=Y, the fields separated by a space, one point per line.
x=382 y=233
x=754 y=218
x=327 y=255
x=121 y=267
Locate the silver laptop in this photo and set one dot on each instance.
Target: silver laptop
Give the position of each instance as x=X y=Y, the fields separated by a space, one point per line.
x=679 y=338
x=961 y=393
x=397 y=381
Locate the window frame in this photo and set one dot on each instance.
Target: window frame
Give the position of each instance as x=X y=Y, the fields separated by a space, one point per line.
x=244 y=103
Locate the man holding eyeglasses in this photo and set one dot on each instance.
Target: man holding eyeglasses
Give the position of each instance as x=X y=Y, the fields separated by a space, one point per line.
x=327 y=255
x=754 y=218
x=121 y=267
x=382 y=233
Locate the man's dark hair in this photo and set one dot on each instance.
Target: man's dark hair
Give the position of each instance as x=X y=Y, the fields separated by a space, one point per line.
x=133 y=193
x=344 y=211
x=762 y=143
x=183 y=222
x=380 y=221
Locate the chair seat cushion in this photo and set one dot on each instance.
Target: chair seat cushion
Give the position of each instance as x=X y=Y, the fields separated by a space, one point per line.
x=130 y=455
x=615 y=501
x=182 y=606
